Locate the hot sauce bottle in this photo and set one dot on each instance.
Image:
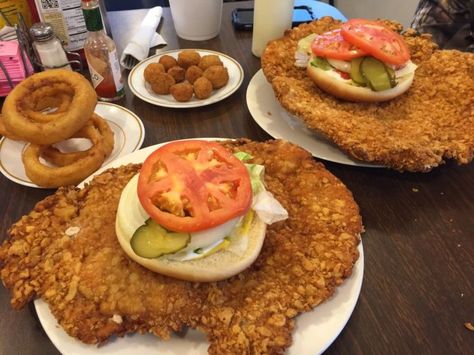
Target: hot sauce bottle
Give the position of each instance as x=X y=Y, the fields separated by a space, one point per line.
x=101 y=55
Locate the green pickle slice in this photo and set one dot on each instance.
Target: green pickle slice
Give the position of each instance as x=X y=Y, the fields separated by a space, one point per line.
x=375 y=73
x=356 y=74
x=152 y=241
x=391 y=74
x=321 y=63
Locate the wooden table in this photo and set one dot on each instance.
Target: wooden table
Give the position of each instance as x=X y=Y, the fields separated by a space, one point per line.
x=418 y=289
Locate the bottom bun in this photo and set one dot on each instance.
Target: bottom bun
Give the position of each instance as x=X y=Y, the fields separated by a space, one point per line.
x=343 y=90
x=218 y=266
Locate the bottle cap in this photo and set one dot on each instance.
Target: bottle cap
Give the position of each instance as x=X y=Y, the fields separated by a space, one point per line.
x=41 y=31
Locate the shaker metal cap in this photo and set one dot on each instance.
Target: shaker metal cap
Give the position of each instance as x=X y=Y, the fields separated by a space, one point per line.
x=41 y=31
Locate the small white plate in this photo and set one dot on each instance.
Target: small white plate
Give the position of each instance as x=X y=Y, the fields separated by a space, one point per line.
x=314 y=331
x=273 y=119
x=129 y=134
x=136 y=82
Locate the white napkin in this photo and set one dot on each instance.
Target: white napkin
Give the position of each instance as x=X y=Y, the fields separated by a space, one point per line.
x=267 y=207
x=145 y=38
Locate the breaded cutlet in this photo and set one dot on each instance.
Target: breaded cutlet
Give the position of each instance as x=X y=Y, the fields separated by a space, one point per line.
x=417 y=131
x=66 y=252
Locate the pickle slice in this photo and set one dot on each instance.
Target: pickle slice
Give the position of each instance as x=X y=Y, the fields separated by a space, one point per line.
x=375 y=73
x=151 y=240
x=391 y=75
x=356 y=75
x=321 y=63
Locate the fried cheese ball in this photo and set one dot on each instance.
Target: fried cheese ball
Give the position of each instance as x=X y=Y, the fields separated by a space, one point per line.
x=152 y=70
x=168 y=62
x=188 y=57
x=177 y=73
x=217 y=75
x=162 y=84
x=192 y=73
x=209 y=60
x=182 y=92
x=202 y=88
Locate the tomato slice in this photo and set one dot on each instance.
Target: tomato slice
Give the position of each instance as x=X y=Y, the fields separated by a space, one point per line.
x=332 y=45
x=188 y=186
x=377 y=40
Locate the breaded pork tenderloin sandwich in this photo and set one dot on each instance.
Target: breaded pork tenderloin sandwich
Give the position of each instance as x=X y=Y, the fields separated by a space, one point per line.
x=203 y=204
x=382 y=95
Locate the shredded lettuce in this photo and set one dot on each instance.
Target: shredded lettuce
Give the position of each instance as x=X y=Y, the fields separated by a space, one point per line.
x=264 y=204
x=304 y=44
x=243 y=156
x=256 y=172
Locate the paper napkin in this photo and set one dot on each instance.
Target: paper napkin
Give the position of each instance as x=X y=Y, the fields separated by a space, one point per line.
x=146 y=37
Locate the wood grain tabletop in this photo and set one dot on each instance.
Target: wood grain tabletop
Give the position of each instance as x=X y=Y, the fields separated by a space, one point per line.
x=417 y=291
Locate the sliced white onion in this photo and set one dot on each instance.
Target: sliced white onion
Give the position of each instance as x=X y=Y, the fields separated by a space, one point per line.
x=301 y=59
x=341 y=65
x=409 y=68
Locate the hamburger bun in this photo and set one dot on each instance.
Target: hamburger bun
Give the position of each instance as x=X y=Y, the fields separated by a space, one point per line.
x=240 y=254
x=218 y=266
x=341 y=89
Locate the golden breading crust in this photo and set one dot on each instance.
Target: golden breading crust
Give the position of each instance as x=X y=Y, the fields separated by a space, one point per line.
x=66 y=252
x=432 y=121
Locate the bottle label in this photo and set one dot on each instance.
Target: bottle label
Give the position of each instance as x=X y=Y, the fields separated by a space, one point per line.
x=96 y=78
x=116 y=72
x=67 y=20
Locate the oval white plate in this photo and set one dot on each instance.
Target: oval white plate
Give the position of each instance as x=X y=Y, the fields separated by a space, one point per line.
x=129 y=134
x=273 y=119
x=136 y=82
x=314 y=332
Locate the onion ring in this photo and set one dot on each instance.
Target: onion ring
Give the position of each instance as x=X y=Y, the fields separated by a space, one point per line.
x=47 y=103
x=49 y=109
x=66 y=124
x=54 y=156
x=72 y=174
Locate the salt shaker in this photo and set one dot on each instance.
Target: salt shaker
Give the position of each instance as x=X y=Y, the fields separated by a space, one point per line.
x=270 y=20
x=48 y=47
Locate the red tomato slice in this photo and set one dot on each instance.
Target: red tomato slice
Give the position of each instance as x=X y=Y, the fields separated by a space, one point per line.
x=332 y=45
x=188 y=186
x=377 y=40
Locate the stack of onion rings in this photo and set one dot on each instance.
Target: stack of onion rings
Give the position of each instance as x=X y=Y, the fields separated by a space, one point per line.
x=54 y=156
x=48 y=108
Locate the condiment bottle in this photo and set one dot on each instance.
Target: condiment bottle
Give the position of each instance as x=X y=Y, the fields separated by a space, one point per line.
x=48 y=48
x=101 y=55
x=270 y=20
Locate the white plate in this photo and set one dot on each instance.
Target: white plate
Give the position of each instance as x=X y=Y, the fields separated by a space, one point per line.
x=129 y=134
x=273 y=119
x=136 y=82
x=314 y=332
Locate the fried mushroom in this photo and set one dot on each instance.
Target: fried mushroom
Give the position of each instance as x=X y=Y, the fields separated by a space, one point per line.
x=192 y=73
x=217 y=75
x=162 y=84
x=202 y=88
x=182 y=92
x=152 y=70
x=177 y=73
x=209 y=60
x=168 y=62
x=188 y=57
